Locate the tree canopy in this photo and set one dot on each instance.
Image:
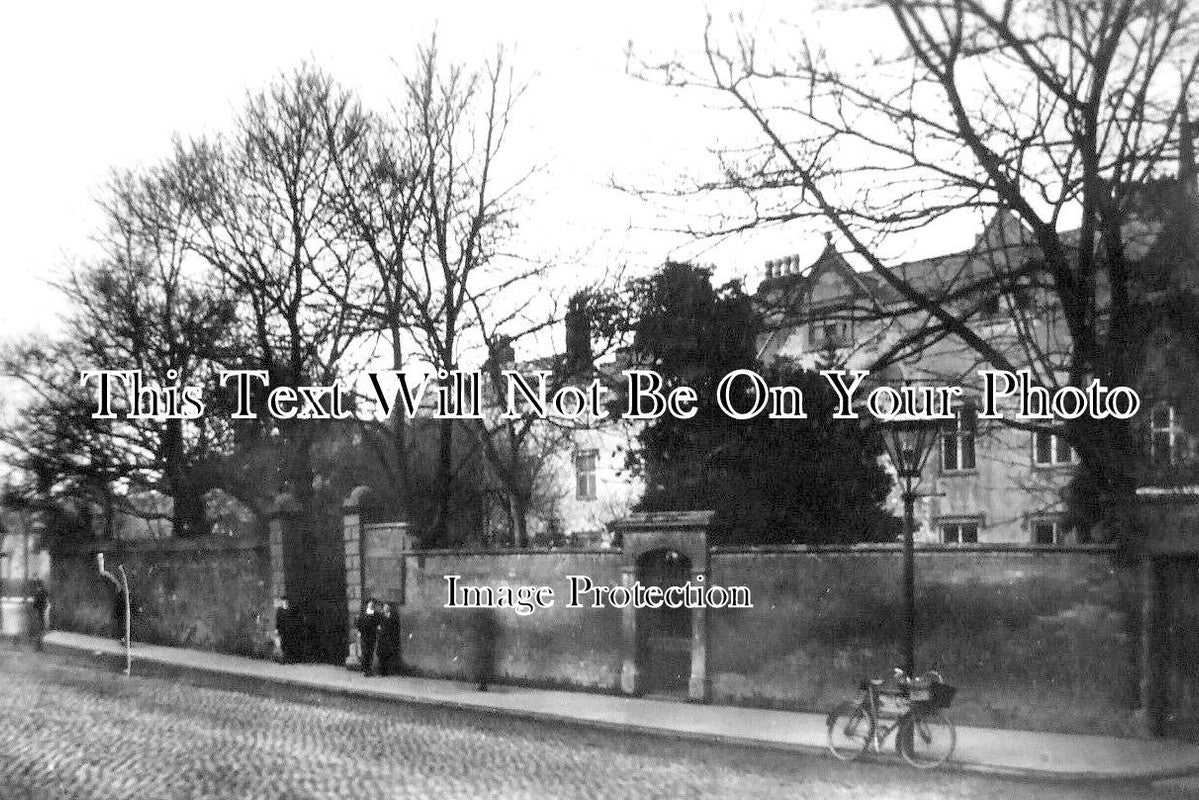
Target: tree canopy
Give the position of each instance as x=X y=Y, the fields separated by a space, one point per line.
x=771 y=481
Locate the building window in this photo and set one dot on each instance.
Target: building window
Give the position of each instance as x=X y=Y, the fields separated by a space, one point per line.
x=1166 y=436
x=959 y=532
x=957 y=441
x=824 y=334
x=1048 y=531
x=585 y=463
x=1050 y=448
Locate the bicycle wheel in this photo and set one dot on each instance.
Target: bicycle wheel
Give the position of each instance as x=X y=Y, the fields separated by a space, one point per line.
x=850 y=730
x=926 y=740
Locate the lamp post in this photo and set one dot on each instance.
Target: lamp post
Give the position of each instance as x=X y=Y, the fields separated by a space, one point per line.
x=909 y=441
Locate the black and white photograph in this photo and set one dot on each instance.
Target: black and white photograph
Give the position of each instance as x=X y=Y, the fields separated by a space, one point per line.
x=545 y=401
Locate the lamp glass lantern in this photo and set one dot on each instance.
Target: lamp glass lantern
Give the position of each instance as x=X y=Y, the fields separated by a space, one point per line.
x=909 y=442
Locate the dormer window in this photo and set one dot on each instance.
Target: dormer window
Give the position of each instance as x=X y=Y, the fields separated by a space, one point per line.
x=830 y=333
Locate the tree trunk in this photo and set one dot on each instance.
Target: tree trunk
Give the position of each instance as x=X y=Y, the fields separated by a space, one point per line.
x=519 y=511
x=400 y=432
x=445 y=477
x=187 y=517
x=1106 y=490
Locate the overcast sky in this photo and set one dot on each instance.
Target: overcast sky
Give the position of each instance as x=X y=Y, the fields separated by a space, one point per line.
x=92 y=86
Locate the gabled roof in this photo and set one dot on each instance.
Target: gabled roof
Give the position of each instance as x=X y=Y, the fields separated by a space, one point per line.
x=1004 y=236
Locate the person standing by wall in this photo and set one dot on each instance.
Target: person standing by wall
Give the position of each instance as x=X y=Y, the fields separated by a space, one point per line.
x=486 y=631
x=285 y=632
x=368 y=634
x=39 y=612
x=389 y=640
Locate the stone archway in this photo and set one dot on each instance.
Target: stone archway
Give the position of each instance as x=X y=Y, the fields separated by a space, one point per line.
x=649 y=536
x=664 y=634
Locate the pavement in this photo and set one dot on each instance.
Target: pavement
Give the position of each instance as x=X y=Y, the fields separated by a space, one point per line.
x=1032 y=754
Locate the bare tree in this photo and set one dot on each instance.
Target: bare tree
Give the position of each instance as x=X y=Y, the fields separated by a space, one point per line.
x=264 y=222
x=447 y=271
x=138 y=307
x=1054 y=114
x=381 y=188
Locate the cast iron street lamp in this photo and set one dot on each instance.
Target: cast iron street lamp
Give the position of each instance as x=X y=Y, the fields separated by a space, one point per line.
x=909 y=441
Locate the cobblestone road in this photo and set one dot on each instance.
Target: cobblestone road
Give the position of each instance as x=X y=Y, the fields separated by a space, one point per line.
x=68 y=730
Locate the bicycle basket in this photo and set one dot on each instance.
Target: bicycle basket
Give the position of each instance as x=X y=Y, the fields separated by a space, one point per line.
x=941 y=695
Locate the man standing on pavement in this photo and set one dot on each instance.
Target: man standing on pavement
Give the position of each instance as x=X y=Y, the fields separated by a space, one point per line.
x=285 y=632
x=41 y=605
x=486 y=631
x=389 y=639
x=368 y=634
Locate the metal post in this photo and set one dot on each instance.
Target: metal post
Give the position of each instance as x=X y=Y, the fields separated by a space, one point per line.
x=906 y=740
x=909 y=582
x=128 y=621
x=123 y=585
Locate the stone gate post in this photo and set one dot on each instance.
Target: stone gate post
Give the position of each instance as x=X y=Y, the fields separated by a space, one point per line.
x=282 y=512
x=1167 y=521
x=355 y=510
x=374 y=558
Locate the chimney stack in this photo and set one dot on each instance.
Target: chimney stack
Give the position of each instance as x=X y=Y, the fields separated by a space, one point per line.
x=1188 y=177
x=502 y=353
x=579 y=356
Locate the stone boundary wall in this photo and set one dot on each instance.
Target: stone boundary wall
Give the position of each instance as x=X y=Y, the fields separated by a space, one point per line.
x=1018 y=628
x=576 y=648
x=206 y=593
x=1035 y=636
x=1038 y=637
x=888 y=547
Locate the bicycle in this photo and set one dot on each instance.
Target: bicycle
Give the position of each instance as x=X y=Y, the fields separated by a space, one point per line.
x=924 y=736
